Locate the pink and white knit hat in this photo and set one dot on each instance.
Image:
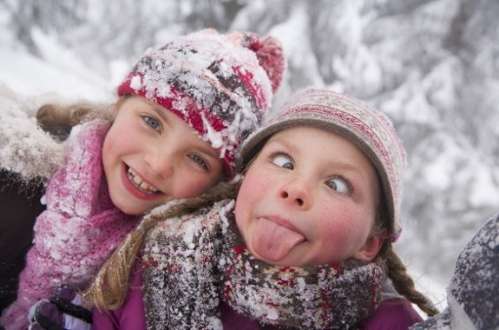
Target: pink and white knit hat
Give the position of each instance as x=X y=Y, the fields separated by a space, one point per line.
x=220 y=85
x=370 y=130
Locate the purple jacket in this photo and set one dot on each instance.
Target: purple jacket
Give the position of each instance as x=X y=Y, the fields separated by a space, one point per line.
x=131 y=315
x=392 y=314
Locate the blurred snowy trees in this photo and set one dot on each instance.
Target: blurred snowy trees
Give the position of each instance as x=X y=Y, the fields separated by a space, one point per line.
x=431 y=65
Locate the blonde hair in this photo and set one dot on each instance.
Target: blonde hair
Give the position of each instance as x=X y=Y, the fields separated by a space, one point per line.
x=403 y=282
x=110 y=287
x=396 y=270
x=58 y=119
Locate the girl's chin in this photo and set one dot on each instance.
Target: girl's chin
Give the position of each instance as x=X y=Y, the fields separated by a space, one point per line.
x=131 y=207
x=132 y=210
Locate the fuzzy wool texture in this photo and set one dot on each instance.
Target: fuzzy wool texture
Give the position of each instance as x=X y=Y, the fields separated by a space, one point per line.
x=78 y=230
x=368 y=129
x=194 y=262
x=24 y=147
x=220 y=85
x=472 y=296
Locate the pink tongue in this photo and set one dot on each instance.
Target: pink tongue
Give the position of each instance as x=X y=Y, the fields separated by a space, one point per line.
x=272 y=241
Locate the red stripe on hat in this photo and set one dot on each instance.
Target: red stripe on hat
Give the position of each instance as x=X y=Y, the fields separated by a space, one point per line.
x=192 y=115
x=255 y=90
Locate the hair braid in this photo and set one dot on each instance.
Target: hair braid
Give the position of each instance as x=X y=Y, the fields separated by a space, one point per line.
x=403 y=282
x=110 y=286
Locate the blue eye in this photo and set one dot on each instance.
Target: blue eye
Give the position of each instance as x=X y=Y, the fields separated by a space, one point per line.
x=283 y=160
x=199 y=161
x=339 y=185
x=152 y=122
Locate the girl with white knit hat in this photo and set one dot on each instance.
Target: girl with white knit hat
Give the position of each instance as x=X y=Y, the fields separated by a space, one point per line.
x=306 y=243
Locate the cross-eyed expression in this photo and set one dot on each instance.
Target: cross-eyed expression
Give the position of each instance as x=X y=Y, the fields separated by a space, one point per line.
x=309 y=197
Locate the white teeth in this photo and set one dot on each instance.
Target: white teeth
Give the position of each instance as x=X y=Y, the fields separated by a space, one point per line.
x=140 y=183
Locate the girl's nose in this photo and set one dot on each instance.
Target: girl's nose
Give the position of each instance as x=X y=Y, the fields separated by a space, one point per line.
x=160 y=164
x=296 y=194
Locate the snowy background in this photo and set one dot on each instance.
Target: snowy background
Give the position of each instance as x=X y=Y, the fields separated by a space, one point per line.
x=432 y=66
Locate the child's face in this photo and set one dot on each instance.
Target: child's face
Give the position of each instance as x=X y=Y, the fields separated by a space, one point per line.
x=151 y=156
x=308 y=198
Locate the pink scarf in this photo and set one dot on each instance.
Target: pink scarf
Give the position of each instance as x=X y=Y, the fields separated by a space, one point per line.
x=77 y=232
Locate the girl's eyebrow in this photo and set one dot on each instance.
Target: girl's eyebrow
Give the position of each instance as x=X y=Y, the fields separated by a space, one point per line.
x=330 y=163
x=208 y=151
x=205 y=150
x=348 y=167
x=160 y=112
x=283 y=143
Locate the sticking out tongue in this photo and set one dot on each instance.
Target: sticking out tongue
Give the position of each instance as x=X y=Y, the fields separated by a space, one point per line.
x=272 y=241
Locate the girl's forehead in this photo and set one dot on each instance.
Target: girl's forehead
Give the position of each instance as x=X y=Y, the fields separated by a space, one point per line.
x=304 y=134
x=322 y=144
x=170 y=120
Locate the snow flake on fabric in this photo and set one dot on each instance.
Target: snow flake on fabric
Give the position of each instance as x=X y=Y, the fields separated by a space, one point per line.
x=196 y=261
x=473 y=300
x=24 y=147
x=78 y=230
x=215 y=83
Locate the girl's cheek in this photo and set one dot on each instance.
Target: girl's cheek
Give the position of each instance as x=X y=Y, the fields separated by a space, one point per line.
x=349 y=226
x=106 y=146
x=193 y=186
x=254 y=188
x=259 y=180
x=338 y=224
x=191 y=189
x=107 y=150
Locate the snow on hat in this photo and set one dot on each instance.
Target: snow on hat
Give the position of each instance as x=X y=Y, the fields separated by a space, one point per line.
x=367 y=128
x=473 y=302
x=220 y=85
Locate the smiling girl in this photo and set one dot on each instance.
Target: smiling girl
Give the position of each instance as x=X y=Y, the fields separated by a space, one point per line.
x=151 y=155
x=181 y=114
x=306 y=244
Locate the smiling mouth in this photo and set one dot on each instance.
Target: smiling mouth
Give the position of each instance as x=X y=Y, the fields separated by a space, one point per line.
x=139 y=183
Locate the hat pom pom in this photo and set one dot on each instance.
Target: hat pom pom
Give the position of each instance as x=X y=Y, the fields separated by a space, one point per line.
x=271 y=57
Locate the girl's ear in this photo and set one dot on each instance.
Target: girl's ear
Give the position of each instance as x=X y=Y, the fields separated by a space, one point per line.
x=370 y=249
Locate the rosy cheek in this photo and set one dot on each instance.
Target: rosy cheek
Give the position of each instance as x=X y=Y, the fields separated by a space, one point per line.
x=190 y=185
x=338 y=225
x=253 y=189
x=106 y=146
x=114 y=145
x=257 y=183
x=107 y=152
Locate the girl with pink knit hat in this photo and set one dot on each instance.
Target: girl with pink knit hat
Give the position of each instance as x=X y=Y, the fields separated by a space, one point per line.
x=305 y=244
x=180 y=116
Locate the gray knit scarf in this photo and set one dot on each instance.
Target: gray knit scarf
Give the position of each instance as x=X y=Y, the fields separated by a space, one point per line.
x=192 y=263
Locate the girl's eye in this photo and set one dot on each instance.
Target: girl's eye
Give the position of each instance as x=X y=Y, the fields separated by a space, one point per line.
x=152 y=122
x=284 y=161
x=339 y=185
x=200 y=161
